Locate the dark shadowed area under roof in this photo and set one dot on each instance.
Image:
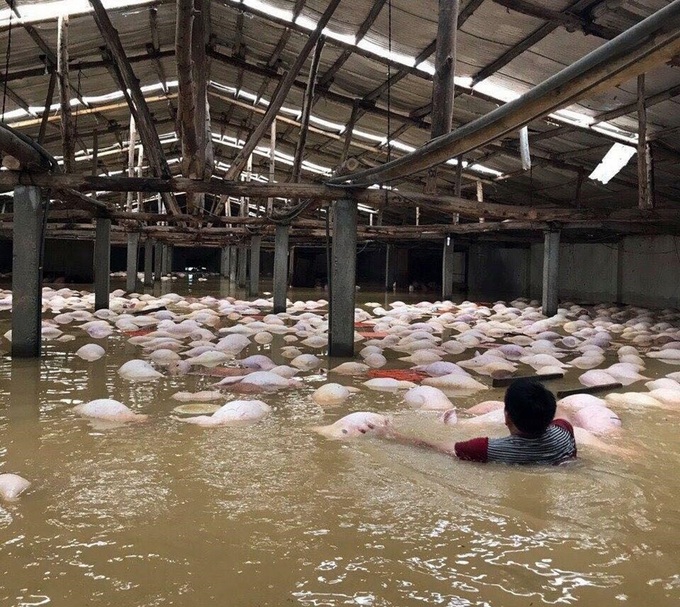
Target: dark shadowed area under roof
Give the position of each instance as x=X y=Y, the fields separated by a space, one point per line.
x=504 y=48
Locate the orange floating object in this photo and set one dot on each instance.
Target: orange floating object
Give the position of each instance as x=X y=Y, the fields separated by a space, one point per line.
x=224 y=372
x=139 y=332
x=372 y=335
x=363 y=325
x=400 y=374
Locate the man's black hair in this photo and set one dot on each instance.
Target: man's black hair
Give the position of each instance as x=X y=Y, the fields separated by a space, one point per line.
x=530 y=406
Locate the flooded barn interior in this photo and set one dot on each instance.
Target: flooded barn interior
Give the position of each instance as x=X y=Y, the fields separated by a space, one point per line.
x=269 y=268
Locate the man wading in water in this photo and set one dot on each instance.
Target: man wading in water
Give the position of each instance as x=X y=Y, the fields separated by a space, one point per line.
x=535 y=437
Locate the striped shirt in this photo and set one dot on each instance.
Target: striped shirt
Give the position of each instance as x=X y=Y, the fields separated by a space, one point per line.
x=554 y=446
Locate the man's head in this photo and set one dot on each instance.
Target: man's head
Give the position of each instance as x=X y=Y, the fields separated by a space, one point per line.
x=529 y=406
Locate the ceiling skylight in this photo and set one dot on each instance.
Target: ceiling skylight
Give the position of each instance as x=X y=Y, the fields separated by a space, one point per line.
x=615 y=159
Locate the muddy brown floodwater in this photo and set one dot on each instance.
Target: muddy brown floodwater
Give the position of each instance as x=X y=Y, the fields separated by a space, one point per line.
x=164 y=513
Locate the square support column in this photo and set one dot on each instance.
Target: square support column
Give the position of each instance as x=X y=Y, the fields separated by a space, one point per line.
x=254 y=283
x=102 y=263
x=447 y=268
x=132 y=262
x=27 y=247
x=280 y=268
x=233 y=252
x=242 y=268
x=291 y=265
x=167 y=259
x=551 y=252
x=343 y=279
x=157 y=261
x=148 y=263
x=389 y=267
x=224 y=261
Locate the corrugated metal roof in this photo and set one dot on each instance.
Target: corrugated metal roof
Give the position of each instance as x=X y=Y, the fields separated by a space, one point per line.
x=490 y=32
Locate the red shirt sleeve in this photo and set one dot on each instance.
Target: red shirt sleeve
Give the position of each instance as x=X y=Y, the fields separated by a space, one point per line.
x=564 y=424
x=475 y=450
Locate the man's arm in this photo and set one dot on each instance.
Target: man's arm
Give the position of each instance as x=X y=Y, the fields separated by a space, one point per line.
x=390 y=433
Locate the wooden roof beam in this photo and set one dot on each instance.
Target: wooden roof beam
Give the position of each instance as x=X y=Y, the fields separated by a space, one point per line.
x=644 y=46
x=306 y=110
x=193 y=118
x=318 y=192
x=327 y=78
x=339 y=98
x=277 y=100
x=68 y=128
x=138 y=106
x=153 y=49
x=283 y=40
x=331 y=41
x=570 y=18
x=527 y=43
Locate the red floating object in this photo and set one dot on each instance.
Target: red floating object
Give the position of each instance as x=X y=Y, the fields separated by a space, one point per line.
x=139 y=332
x=400 y=374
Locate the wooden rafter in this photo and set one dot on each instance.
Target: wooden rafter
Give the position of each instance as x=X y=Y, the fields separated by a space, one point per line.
x=193 y=117
x=306 y=110
x=528 y=42
x=570 y=18
x=277 y=100
x=320 y=192
x=153 y=49
x=46 y=110
x=327 y=78
x=138 y=106
x=283 y=40
x=68 y=131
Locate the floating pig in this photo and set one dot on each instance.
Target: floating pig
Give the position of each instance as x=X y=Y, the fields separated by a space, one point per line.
x=235 y=412
x=108 y=409
x=12 y=486
x=352 y=425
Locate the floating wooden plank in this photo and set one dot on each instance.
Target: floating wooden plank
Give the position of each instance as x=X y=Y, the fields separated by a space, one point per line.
x=502 y=382
x=589 y=389
x=147 y=311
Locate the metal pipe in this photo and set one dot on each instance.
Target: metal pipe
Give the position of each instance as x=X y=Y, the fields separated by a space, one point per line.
x=26 y=151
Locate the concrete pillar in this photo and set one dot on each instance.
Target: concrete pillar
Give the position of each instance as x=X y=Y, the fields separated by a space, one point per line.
x=148 y=262
x=343 y=279
x=242 y=270
x=102 y=263
x=291 y=265
x=620 y=274
x=27 y=249
x=167 y=259
x=551 y=252
x=447 y=268
x=158 y=261
x=254 y=283
x=224 y=261
x=389 y=267
x=132 y=253
x=233 y=253
x=280 y=287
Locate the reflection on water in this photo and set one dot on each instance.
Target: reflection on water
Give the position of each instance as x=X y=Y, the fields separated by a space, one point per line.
x=169 y=514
